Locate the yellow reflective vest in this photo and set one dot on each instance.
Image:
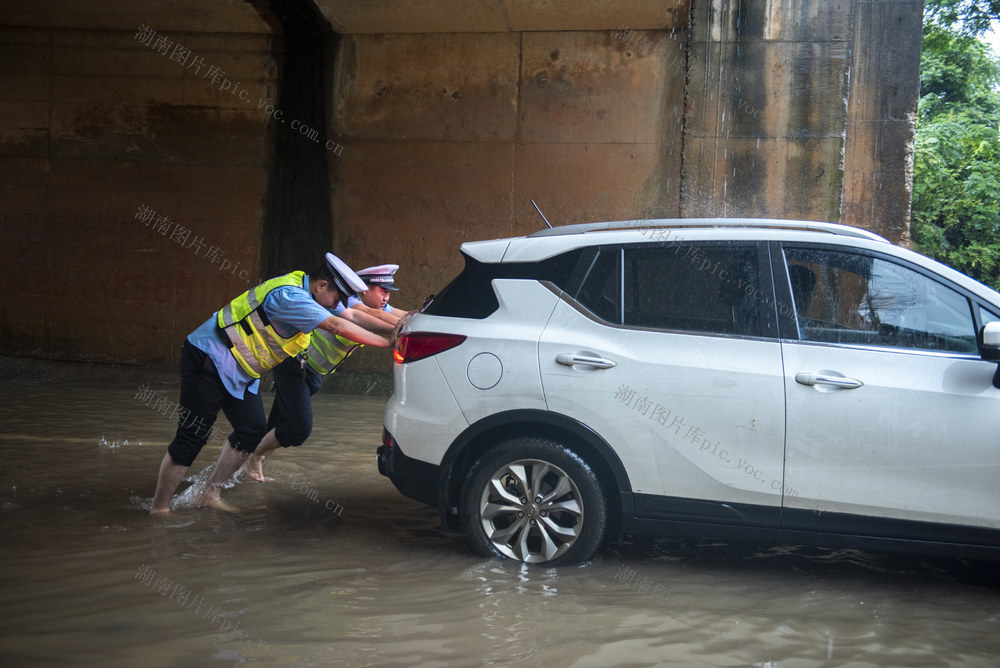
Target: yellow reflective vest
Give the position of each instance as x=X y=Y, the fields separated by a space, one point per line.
x=254 y=343
x=326 y=351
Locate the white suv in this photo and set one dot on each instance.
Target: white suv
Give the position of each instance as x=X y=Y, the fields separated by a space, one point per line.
x=777 y=380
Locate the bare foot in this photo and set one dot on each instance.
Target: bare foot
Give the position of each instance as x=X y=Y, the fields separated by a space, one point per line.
x=254 y=469
x=209 y=498
x=165 y=512
x=219 y=504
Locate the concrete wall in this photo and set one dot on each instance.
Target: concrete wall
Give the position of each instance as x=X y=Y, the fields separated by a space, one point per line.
x=766 y=109
x=446 y=117
x=803 y=109
x=881 y=117
x=448 y=138
x=131 y=175
x=453 y=146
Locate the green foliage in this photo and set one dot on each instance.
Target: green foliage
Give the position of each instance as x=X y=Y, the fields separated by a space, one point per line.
x=956 y=170
x=970 y=17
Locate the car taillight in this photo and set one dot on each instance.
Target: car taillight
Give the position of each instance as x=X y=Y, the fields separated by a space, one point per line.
x=418 y=345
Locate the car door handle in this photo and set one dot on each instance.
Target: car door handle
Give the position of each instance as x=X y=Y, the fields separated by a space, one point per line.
x=570 y=359
x=823 y=379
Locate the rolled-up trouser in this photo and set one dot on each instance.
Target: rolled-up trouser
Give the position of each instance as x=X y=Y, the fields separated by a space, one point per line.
x=202 y=396
x=291 y=414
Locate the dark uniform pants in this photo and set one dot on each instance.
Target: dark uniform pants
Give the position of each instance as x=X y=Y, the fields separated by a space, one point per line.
x=202 y=396
x=291 y=413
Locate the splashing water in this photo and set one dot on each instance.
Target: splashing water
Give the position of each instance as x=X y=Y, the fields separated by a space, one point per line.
x=114 y=444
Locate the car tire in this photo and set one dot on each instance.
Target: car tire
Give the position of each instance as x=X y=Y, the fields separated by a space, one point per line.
x=535 y=501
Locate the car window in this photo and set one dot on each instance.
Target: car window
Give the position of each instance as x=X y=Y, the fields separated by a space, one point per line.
x=689 y=286
x=601 y=290
x=854 y=298
x=471 y=294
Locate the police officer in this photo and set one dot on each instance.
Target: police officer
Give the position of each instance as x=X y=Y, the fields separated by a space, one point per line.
x=296 y=380
x=223 y=359
x=378 y=283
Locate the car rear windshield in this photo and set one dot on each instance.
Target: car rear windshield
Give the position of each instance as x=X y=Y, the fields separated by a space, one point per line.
x=471 y=295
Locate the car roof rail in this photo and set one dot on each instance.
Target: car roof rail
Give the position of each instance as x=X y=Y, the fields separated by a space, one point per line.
x=759 y=223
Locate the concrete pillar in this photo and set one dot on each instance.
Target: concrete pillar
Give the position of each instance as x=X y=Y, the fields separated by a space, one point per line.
x=881 y=117
x=771 y=98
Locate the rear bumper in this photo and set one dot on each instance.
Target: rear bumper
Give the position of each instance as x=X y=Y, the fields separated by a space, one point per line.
x=412 y=477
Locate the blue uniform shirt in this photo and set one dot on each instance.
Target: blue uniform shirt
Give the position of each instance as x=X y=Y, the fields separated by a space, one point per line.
x=289 y=308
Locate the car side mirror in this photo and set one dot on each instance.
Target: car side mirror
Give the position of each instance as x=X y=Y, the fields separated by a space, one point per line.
x=990 y=348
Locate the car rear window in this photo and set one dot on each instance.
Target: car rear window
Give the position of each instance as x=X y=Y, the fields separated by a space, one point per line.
x=471 y=295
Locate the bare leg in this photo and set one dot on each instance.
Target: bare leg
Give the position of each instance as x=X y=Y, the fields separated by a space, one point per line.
x=228 y=463
x=254 y=468
x=169 y=477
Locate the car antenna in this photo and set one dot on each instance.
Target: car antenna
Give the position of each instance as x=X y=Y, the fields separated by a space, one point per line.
x=541 y=214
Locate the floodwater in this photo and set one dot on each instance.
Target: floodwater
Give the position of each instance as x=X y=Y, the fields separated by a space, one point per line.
x=328 y=565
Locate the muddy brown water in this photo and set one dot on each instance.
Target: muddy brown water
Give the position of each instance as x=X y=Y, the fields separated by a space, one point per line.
x=328 y=565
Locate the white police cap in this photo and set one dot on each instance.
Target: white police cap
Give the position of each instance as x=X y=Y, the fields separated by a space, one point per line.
x=345 y=278
x=382 y=276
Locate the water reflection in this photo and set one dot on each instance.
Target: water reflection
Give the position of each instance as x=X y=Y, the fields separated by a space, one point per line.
x=90 y=579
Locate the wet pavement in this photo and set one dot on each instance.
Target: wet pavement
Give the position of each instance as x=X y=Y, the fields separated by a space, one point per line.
x=328 y=565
